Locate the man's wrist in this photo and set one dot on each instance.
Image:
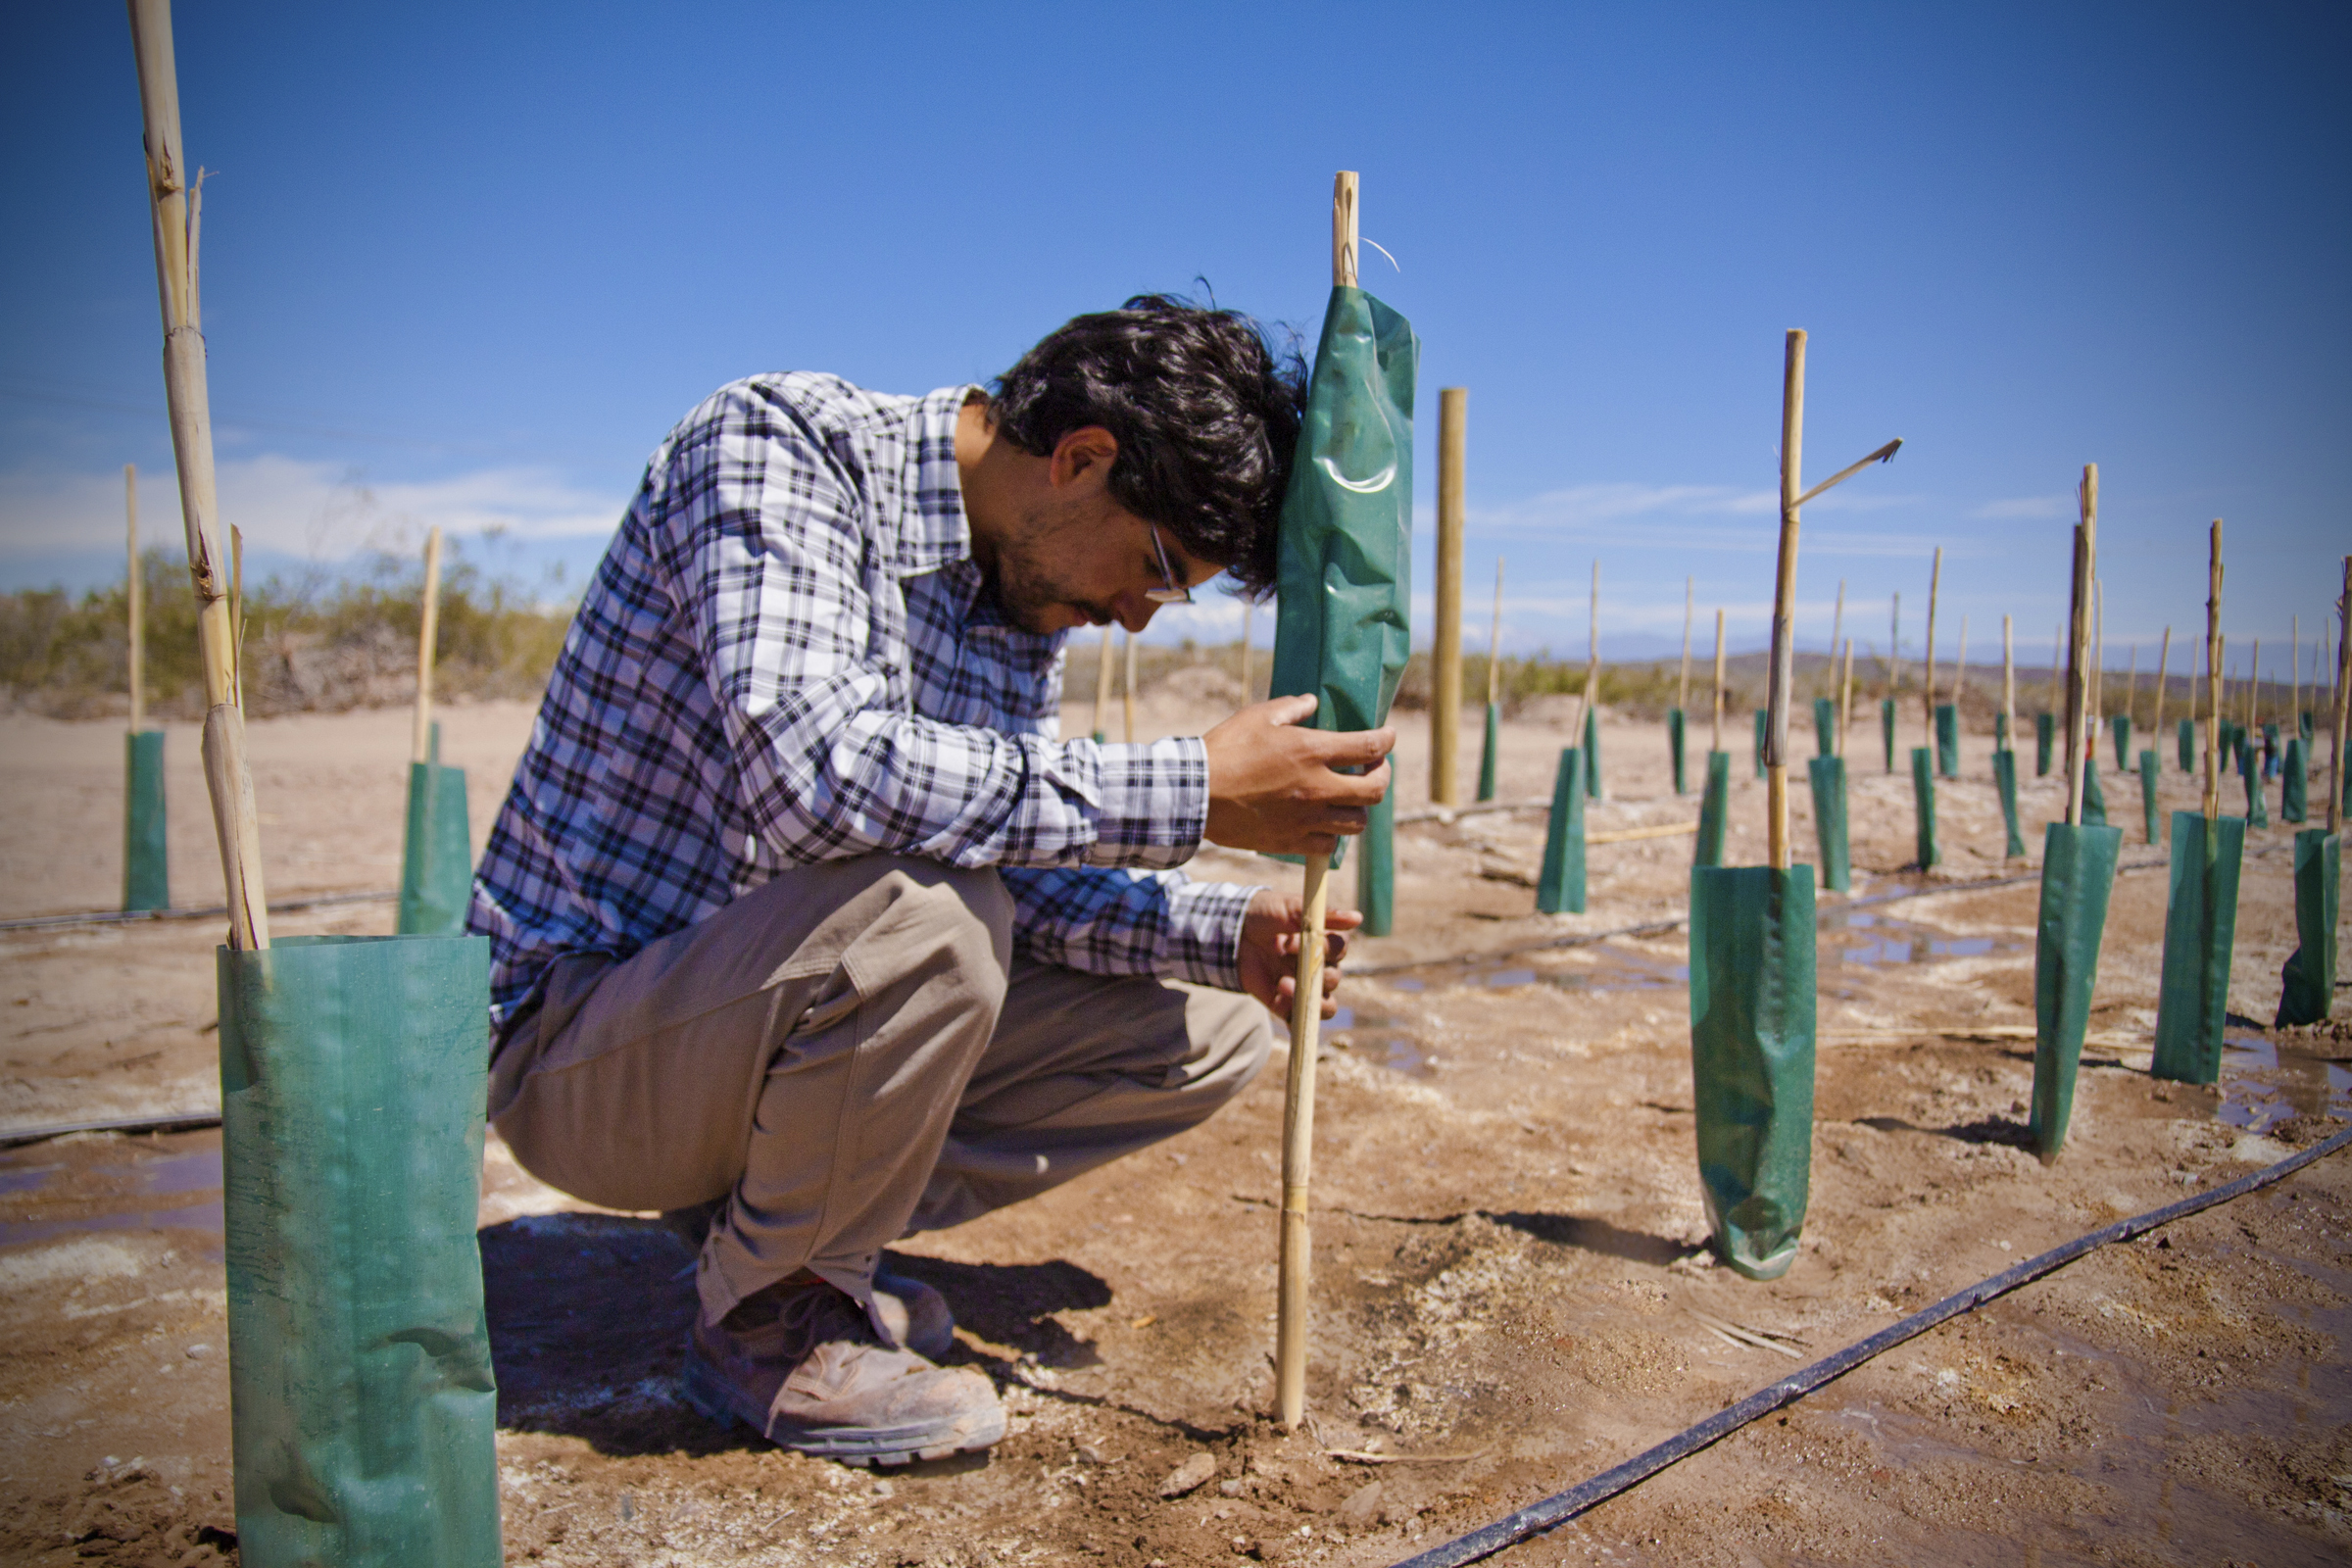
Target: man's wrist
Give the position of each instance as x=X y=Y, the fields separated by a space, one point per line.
x=1153 y=801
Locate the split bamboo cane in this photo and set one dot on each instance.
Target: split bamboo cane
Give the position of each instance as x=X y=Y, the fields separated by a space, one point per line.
x=1783 y=603
x=1889 y=668
x=2098 y=658
x=1103 y=683
x=2294 y=674
x=1307 y=1013
x=2057 y=663
x=2008 y=686
x=2078 y=649
x=1592 y=664
x=2342 y=706
x=2213 y=683
x=235 y=821
x=1715 y=741
x=2163 y=665
x=1682 y=688
x=1445 y=657
x=1495 y=642
x=1928 y=692
x=2132 y=685
x=1836 y=629
x=1960 y=665
x=2254 y=693
x=1845 y=709
x=135 y=594
x=1127 y=687
x=420 y=737
x=236 y=617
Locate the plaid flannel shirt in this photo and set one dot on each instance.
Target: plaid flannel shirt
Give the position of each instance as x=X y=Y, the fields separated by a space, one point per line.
x=786 y=656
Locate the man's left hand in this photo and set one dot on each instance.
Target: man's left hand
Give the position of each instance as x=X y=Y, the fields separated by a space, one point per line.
x=1270 y=949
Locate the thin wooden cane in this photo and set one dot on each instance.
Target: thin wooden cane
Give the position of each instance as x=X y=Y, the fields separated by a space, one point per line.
x=1681 y=689
x=1127 y=687
x=134 y=594
x=428 y=631
x=2294 y=673
x=2098 y=658
x=1446 y=650
x=1836 y=629
x=1715 y=743
x=1928 y=690
x=1102 y=669
x=2077 y=646
x=228 y=781
x=237 y=616
x=1592 y=664
x=1495 y=642
x=2254 y=691
x=1783 y=603
x=2008 y=686
x=1889 y=668
x=2057 y=664
x=2342 y=704
x=1960 y=665
x=2163 y=665
x=1845 y=710
x=2212 y=680
x=1306 y=1014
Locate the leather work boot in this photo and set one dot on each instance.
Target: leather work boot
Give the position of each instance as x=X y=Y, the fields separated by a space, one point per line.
x=801 y=1364
x=915 y=1314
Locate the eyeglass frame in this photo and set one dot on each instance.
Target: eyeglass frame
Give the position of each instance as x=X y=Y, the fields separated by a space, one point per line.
x=1176 y=592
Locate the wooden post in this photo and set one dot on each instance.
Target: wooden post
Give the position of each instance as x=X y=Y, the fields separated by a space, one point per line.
x=1102 y=681
x=2008 y=687
x=420 y=737
x=1445 y=657
x=1783 y=603
x=2078 y=652
x=235 y=822
x=2163 y=665
x=1715 y=744
x=134 y=593
x=1681 y=689
x=2342 y=703
x=2213 y=681
x=1127 y=690
x=1935 y=585
x=1495 y=642
x=1306 y=1014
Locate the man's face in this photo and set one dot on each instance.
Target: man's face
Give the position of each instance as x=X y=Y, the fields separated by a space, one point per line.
x=1077 y=557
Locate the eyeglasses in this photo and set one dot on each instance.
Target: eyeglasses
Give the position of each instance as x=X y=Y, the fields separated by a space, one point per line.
x=1175 y=593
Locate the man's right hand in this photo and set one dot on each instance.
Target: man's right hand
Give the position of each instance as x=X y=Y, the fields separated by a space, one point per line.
x=1274 y=785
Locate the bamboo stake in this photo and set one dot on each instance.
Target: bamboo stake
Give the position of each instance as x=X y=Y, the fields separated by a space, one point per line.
x=236 y=617
x=1102 y=681
x=2008 y=687
x=1495 y=642
x=1446 y=656
x=2131 y=684
x=1845 y=711
x=2077 y=647
x=2057 y=663
x=2098 y=657
x=1127 y=687
x=1592 y=664
x=2342 y=704
x=1716 y=743
x=1928 y=666
x=135 y=603
x=1889 y=671
x=235 y=822
x=1682 y=690
x=421 y=738
x=2213 y=682
x=1960 y=665
x=2164 y=664
x=2294 y=673
x=2254 y=693
x=1838 y=627
x=1783 y=603
x=1306 y=1014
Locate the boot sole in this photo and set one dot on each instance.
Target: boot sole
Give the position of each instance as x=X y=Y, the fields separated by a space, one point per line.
x=718 y=1402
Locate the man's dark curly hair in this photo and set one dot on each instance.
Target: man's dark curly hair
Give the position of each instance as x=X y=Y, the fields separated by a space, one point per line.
x=1205 y=408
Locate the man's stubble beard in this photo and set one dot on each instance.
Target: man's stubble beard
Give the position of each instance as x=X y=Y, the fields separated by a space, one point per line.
x=1025 y=581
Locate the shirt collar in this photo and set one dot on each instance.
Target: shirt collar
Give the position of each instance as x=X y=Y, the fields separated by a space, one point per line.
x=933 y=530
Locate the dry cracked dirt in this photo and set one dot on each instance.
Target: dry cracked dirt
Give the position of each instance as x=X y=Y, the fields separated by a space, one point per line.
x=1510 y=1289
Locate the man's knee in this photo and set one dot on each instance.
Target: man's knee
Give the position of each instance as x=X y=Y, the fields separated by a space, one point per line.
x=1233 y=1034
x=935 y=916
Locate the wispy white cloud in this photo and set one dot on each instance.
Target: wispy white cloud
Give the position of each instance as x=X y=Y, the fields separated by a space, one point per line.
x=318 y=511
x=2053 y=506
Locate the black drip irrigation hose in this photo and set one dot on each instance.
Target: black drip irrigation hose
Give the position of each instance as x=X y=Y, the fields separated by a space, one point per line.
x=210 y=912
x=1558 y=1509
x=183 y=1122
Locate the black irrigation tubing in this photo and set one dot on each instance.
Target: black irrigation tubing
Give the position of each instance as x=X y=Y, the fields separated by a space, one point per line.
x=210 y=912
x=185 y=1121
x=1675 y=922
x=1558 y=1509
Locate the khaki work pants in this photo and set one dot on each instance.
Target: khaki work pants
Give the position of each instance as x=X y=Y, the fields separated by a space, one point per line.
x=846 y=1055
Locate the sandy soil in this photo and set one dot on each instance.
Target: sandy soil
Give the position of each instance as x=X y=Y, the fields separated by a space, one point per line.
x=1507 y=1233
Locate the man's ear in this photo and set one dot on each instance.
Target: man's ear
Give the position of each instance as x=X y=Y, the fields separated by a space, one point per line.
x=1083 y=458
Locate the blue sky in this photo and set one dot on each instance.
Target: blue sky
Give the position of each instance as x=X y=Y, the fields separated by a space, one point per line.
x=468 y=264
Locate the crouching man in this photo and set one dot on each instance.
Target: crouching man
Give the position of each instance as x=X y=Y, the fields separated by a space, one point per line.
x=807 y=927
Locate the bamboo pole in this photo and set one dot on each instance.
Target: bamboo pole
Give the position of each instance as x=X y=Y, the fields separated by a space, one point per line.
x=2213 y=682
x=1127 y=686
x=1591 y=666
x=1960 y=665
x=2098 y=656
x=2294 y=674
x=2132 y=682
x=135 y=594
x=1681 y=689
x=1837 y=628
x=236 y=617
x=2057 y=664
x=1845 y=710
x=1927 y=696
x=1306 y=1014
x=1102 y=669
x=1445 y=657
x=1891 y=671
x=2077 y=647
x=235 y=822
x=1783 y=603
x=2163 y=665
x=2342 y=704
x=2254 y=694
x=420 y=737
x=1715 y=743
x=2008 y=686
x=1495 y=642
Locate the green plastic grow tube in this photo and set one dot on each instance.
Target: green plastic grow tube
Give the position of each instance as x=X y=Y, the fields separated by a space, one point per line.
x=146 y=852
x=1560 y=886
x=2077 y=874
x=2201 y=928
x=2307 y=983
